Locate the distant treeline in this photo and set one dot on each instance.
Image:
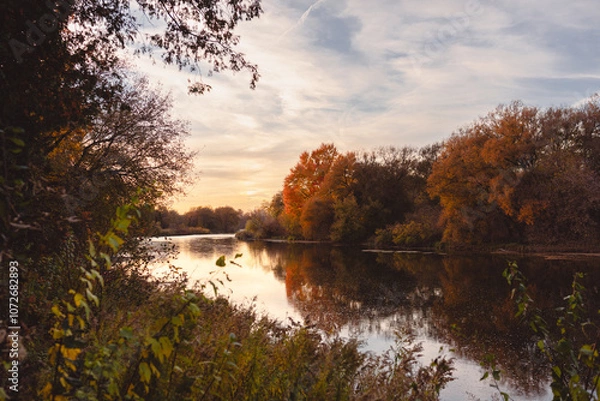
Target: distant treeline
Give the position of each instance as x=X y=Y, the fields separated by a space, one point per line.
x=199 y=220
x=520 y=175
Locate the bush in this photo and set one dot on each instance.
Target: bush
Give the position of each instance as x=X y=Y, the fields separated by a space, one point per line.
x=570 y=346
x=413 y=234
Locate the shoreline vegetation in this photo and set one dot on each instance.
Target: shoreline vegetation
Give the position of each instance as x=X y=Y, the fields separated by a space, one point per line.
x=521 y=178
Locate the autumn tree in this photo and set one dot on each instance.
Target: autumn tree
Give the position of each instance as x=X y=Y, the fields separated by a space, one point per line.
x=350 y=195
x=305 y=180
x=227 y=219
x=316 y=218
x=59 y=68
x=505 y=177
x=132 y=143
x=381 y=185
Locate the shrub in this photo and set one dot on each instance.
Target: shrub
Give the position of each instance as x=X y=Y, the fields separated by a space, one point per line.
x=570 y=346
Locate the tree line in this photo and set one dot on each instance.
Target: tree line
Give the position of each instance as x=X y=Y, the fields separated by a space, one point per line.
x=520 y=174
x=199 y=220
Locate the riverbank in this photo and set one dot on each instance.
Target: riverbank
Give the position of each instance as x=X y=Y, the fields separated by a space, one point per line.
x=550 y=252
x=169 y=232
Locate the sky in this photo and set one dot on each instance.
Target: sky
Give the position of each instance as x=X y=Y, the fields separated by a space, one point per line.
x=364 y=74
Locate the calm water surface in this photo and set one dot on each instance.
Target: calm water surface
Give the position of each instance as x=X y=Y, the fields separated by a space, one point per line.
x=455 y=303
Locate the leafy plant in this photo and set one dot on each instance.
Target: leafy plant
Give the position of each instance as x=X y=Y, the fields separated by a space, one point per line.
x=570 y=347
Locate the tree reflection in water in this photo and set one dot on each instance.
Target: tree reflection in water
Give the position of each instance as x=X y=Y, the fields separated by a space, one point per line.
x=462 y=301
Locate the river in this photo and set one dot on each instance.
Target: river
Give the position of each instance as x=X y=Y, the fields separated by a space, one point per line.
x=458 y=304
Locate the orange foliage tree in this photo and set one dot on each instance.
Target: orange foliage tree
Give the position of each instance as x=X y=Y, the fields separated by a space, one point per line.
x=305 y=180
x=520 y=173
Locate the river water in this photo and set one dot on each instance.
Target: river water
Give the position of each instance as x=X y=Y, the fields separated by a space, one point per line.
x=458 y=304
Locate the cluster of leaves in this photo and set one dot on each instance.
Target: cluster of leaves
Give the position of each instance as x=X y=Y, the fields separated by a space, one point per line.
x=410 y=234
x=570 y=346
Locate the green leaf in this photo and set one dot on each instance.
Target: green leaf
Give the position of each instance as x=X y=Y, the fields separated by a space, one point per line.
x=485 y=376
x=126 y=333
x=92 y=297
x=194 y=309
x=177 y=320
x=221 y=261
x=238 y=255
x=557 y=371
x=96 y=273
x=106 y=258
x=122 y=225
x=114 y=241
x=145 y=373
x=167 y=346
x=17 y=141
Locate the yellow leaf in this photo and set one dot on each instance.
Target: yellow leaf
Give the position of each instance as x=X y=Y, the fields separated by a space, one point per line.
x=47 y=390
x=167 y=346
x=77 y=298
x=70 y=353
x=57 y=334
x=57 y=312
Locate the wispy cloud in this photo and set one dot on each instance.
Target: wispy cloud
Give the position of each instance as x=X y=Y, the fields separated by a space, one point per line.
x=302 y=18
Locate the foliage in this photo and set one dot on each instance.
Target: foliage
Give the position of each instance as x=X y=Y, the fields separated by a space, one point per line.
x=518 y=175
x=316 y=218
x=573 y=353
x=347 y=197
x=521 y=173
x=348 y=224
x=306 y=178
x=401 y=374
x=261 y=224
x=78 y=133
x=199 y=220
x=413 y=234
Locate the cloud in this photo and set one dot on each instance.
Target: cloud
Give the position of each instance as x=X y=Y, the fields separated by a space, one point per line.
x=302 y=18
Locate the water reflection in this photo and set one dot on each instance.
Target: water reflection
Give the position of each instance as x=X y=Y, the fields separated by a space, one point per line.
x=458 y=302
